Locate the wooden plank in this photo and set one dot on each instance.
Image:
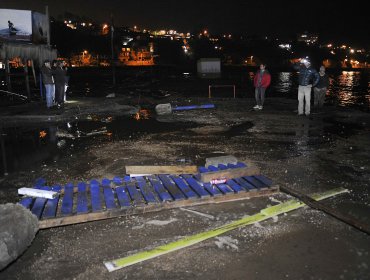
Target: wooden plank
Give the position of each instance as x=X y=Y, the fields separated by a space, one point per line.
x=76 y=219
x=203 y=169
x=51 y=205
x=249 y=187
x=189 y=193
x=264 y=179
x=225 y=189
x=67 y=201
x=171 y=169
x=222 y=167
x=230 y=173
x=26 y=202
x=39 y=204
x=255 y=182
x=37 y=193
x=123 y=197
x=212 y=189
x=108 y=194
x=171 y=187
x=95 y=196
x=146 y=191
x=160 y=189
x=213 y=168
x=195 y=186
x=221 y=160
x=235 y=187
x=82 y=202
x=135 y=195
x=40 y=182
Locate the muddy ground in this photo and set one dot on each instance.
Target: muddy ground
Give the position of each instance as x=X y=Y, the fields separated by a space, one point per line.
x=327 y=150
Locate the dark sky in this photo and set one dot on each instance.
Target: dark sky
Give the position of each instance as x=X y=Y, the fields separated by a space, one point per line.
x=346 y=22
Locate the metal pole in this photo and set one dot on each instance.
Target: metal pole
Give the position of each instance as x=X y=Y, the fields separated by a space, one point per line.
x=27 y=79
x=112 y=48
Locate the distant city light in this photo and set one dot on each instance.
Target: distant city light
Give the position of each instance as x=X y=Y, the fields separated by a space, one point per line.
x=285 y=46
x=352 y=51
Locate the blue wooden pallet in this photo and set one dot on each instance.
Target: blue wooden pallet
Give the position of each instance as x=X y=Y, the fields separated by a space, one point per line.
x=94 y=200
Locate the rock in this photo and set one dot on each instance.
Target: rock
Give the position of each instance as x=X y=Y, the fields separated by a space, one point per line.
x=18 y=227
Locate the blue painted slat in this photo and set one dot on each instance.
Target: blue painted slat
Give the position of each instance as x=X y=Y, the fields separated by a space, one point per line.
x=236 y=187
x=134 y=193
x=118 y=180
x=26 y=202
x=109 y=197
x=189 y=193
x=146 y=191
x=245 y=184
x=82 y=198
x=240 y=164
x=95 y=196
x=258 y=184
x=264 y=179
x=67 y=201
x=212 y=189
x=160 y=189
x=222 y=167
x=203 y=169
x=123 y=197
x=225 y=189
x=52 y=204
x=40 y=182
x=38 y=205
x=231 y=165
x=212 y=168
x=195 y=186
x=171 y=187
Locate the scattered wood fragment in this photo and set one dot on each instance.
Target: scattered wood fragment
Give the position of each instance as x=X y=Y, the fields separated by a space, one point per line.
x=198 y=213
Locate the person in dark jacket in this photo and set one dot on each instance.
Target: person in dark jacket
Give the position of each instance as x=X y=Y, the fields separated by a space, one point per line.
x=48 y=81
x=308 y=78
x=60 y=82
x=262 y=80
x=321 y=89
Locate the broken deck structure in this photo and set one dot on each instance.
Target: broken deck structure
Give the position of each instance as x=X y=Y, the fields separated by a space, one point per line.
x=122 y=196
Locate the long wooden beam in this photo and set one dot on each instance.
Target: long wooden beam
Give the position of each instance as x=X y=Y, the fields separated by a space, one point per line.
x=170 y=169
x=230 y=173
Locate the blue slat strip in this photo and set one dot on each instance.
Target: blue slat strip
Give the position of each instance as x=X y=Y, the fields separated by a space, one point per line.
x=171 y=187
x=118 y=180
x=195 y=186
x=123 y=197
x=161 y=191
x=225 y=189
x=189 y=193
x=67 y=201
x=264 y=179
x=252 y=180
x=203 y=169
x=245 y=184
x=51 y=204
x=82 y=198
x=222 y=167
x=109 y=197
x=146 y=191
x=26 y=202
x=212 y=189
x=38 y=205
x=40 y=182
x=134 y=193
x=95 y=196
x=236 y=187
x=212 y=168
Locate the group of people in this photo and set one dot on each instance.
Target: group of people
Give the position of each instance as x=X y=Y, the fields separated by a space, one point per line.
x=308 y=78
x=55 y=79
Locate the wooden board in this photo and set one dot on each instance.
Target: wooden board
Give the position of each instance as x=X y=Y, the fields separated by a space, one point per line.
x=179 y=169
x=229 y=173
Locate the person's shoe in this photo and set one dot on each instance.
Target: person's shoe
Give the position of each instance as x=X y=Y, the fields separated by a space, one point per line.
x=256 y=107
x=300 y=115
x=260 y=107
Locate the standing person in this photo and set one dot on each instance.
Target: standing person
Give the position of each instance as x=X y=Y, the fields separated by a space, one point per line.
x=60 y=82
x=308 y=78
x=321 y=88
x=262 y=80
x=48 y=81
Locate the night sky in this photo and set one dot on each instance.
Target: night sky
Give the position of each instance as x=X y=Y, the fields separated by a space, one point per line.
x=333 y=20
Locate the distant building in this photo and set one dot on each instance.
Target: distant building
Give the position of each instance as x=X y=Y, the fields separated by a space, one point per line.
x=308 y=38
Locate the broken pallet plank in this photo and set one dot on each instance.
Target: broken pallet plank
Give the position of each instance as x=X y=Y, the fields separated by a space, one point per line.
x=38 y=193
x=170 y=169
x=230 y=173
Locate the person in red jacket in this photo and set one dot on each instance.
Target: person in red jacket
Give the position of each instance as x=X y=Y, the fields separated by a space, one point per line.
x=262 y=80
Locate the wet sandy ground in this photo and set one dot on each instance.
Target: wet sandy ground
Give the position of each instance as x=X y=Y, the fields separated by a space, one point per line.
x=328 y=150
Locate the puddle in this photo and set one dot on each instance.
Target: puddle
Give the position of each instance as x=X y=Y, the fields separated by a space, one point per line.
x=29 y=147
x=341 y=129
x=238 y=130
